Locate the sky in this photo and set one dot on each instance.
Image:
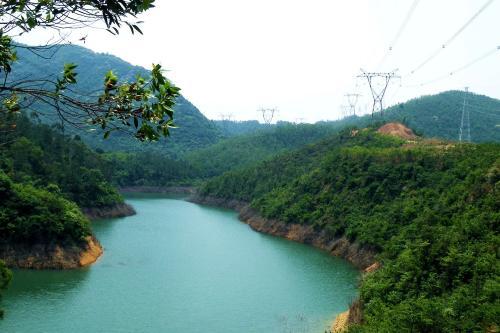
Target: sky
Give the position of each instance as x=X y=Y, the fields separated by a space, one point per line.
x=232 y=57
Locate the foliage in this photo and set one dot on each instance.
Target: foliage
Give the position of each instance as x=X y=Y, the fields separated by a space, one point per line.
x=146 y=169
x=143 y=104
x=230 y=128
x=253 y=181
x=193 y=129
x=38 y=155
x=30 y=215
x=439 y=116
x=245 y=150
x=431 y=211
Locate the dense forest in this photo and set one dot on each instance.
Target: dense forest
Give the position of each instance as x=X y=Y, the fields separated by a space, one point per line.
x=439 y=116
x=194 y=129
x=431 y=210
x=231 y=128
x=39 y=155
x=248 y=149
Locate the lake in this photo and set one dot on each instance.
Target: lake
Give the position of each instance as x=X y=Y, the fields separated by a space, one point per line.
x=181 y=267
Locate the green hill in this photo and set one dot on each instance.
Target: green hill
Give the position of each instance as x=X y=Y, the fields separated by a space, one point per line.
x=249 y=143
x=244 y=150
x=194 y=129
x=439 y=116
x=430 y=210
x=37 y=154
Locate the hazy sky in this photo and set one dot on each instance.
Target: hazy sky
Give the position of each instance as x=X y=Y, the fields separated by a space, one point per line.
x=234 y=56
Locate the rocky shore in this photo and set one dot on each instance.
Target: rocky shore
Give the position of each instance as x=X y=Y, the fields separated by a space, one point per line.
x=359 y=256
x=51 y=256
x=158 y=189
x=118 y=210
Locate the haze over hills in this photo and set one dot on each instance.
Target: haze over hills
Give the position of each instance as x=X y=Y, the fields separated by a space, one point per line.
x=440 y=115
x=433 y=116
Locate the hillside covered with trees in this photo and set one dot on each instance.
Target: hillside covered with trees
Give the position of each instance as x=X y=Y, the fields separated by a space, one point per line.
x=429 y=209
x=428 y=115
x=440 y=116
x=39 y=155
x=193 y=130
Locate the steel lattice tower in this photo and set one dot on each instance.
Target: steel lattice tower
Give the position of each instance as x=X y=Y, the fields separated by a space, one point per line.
x=378 y=93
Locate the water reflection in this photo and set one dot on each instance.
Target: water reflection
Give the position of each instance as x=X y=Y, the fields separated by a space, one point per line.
x=35 y=283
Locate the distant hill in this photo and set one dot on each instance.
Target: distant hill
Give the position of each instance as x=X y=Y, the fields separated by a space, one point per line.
x=244 y=150
x=230 y=128
x=195 y=130
x=440 y=116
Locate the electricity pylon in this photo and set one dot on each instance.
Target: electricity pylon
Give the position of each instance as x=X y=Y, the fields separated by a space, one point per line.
x=378 y=93
x=225 y=120
x=352 y=100
x=465 y=119
x=268 y=114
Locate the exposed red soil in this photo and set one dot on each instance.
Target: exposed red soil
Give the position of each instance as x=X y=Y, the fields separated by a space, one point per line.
x=397 y=129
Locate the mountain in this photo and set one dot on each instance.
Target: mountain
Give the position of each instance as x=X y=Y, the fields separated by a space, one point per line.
x=440 y=116
x=244 y=150
x=420 y=215
x=37 y=154
x=194 y=129
x=230 y=128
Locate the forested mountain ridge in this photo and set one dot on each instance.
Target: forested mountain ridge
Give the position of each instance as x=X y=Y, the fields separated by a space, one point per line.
x=244 y=150
x=429 y=208
x=440 y=116
x=194 y=129
x=39 y=155
x=435 y=116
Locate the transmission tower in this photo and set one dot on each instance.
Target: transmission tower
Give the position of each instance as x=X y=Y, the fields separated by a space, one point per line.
x=378 y=92
x=344 y=111
x=268 y=114
x=226 y=116
x=352 y=100
x=225 y=119
x=465 y=119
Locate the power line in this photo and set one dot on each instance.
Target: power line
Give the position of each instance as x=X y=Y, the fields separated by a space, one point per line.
x=459 y=69
x=400 y=31
x=487 y=114
x=452 y=38
x=483 y=108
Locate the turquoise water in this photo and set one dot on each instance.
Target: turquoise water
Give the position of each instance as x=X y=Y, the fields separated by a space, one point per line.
x=181 y=267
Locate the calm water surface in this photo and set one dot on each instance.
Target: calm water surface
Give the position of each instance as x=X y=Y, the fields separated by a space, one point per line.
x=181 y=267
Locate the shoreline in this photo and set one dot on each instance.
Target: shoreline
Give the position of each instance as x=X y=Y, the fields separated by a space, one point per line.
x=158 y=189
x=361 y=257
x=52 y=256
x=118 y=210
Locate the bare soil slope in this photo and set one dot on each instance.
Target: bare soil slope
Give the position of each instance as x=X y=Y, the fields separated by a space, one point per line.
x=397 y=129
